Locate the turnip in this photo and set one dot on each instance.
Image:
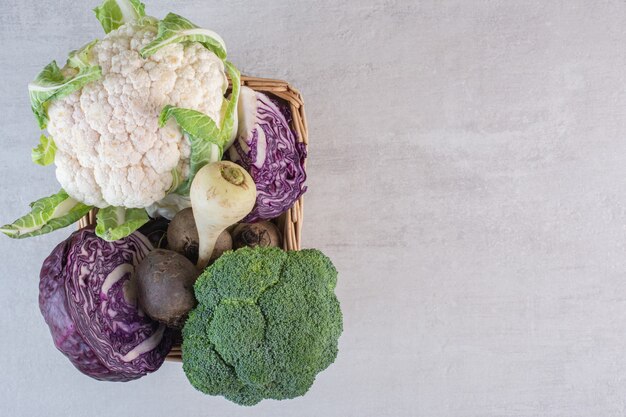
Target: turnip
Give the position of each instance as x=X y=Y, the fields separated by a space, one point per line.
x=222 y=193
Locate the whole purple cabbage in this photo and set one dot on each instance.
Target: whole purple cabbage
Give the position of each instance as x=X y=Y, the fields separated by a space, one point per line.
x=266 y=147
x=88 y=301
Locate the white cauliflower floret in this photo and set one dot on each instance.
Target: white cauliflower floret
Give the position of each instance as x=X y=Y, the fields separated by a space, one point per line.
x=110 y=150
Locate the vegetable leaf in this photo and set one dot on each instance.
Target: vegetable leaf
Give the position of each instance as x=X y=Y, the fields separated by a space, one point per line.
x=47 y=214
x=204 y=137
x=229 y=129
x=114 y=223
x=176 y=29
x=80 y=58
x=177 y=179
x=44 y=153
x=52 y=84
x=114 y=13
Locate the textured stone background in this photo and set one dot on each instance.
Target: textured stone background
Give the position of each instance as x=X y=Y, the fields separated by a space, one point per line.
x=467 y=175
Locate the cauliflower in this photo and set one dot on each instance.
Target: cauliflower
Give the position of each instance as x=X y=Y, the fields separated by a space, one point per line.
x=110 y=148
x=132 y=119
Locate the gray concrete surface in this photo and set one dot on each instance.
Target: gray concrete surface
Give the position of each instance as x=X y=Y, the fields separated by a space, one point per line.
x=467 y=176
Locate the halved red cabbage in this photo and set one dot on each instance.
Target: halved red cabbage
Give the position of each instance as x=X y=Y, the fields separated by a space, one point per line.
x=267 y=148
x=87 y=299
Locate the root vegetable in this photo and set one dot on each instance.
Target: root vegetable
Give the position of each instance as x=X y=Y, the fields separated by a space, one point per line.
x=165 y=286
x=156 y=232
x=262 y=234
x=224 y=242
x=182 y=237
x=222 y=193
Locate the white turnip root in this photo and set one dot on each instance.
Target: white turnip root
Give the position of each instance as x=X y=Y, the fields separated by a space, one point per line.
x=222 y=193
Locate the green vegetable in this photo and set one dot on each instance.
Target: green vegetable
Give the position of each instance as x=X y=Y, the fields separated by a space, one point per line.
x=114 y=223
x=267 y=323
x=43 y=154
x=114 y=13
x=47 y=214
x=176 y=29
x=52 y=84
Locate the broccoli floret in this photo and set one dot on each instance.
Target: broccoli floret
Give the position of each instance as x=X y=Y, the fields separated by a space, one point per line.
x=267 y=323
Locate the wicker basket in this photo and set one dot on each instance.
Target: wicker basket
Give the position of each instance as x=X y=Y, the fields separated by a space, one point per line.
x=290 y=222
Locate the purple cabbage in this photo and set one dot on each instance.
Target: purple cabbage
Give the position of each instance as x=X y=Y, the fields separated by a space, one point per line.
x=267 y=148
x=87 y=298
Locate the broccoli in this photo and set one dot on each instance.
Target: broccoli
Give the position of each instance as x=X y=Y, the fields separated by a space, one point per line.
x=267 y=322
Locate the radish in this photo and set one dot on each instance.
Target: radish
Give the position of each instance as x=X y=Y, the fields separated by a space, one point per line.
x=222 y=193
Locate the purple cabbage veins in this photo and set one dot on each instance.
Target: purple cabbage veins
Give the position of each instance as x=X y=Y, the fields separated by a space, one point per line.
x=88 y=300
x=267 y=148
